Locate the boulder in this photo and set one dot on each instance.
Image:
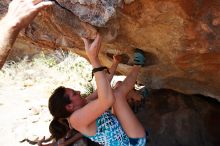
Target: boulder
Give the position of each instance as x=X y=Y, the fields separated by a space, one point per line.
x=175 y=119
x=180 y=38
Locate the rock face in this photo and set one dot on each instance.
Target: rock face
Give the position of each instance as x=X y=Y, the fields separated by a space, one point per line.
x=174 y=119
x=95 y=12
x=180 y=38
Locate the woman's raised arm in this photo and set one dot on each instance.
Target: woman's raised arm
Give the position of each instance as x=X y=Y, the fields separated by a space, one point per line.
x=89 y=113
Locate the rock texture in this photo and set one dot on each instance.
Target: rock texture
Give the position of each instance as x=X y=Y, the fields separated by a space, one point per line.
x=180 y=38
x=174 y=119
x=95 y=12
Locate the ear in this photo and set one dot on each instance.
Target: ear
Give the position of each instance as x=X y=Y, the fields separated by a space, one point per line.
x=69 y=107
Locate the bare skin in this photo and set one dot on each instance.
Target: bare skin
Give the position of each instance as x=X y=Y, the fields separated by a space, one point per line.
x=134 y=129
x=20 y=14
x=122 y=110
x=112 y=69
x=84 y=118
x=91 y=97
x=132 y=95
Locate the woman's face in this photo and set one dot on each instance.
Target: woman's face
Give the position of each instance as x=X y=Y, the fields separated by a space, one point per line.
x=76 y=101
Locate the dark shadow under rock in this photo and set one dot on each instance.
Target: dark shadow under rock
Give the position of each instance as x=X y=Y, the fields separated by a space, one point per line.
x=173 y=121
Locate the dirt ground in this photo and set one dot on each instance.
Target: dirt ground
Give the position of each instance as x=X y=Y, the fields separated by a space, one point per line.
x=22 y=117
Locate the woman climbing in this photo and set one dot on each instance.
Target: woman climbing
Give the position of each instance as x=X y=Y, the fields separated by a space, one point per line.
x=93 y=119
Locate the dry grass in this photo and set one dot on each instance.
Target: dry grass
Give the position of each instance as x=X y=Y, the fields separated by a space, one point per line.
x=44 y=73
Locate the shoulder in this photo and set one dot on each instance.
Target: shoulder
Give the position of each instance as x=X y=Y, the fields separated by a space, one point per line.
x=75 y=123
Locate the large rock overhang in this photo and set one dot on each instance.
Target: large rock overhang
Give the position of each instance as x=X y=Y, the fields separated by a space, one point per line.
x=180 y=38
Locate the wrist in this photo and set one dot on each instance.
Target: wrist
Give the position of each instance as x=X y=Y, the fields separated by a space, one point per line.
x=10 y=24
x=98 y=69
x=95 y=63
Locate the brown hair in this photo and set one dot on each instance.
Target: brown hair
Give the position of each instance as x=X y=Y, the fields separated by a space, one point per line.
x=59 y=125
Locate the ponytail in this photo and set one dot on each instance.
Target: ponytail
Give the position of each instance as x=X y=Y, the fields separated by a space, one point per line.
x=59 y=128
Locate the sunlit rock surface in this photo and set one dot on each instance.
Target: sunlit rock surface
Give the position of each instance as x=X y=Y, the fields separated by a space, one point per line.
x=180 y=38
x=95 y=12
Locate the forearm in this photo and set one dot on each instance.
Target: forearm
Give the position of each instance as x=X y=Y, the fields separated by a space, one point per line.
x=92 y=96
x=104 y=90
x=20 y=14
x=112 y=70
x=8 y=34
x=105 y=95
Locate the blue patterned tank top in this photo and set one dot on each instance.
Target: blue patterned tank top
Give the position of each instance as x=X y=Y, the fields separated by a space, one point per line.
x=109 y=131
